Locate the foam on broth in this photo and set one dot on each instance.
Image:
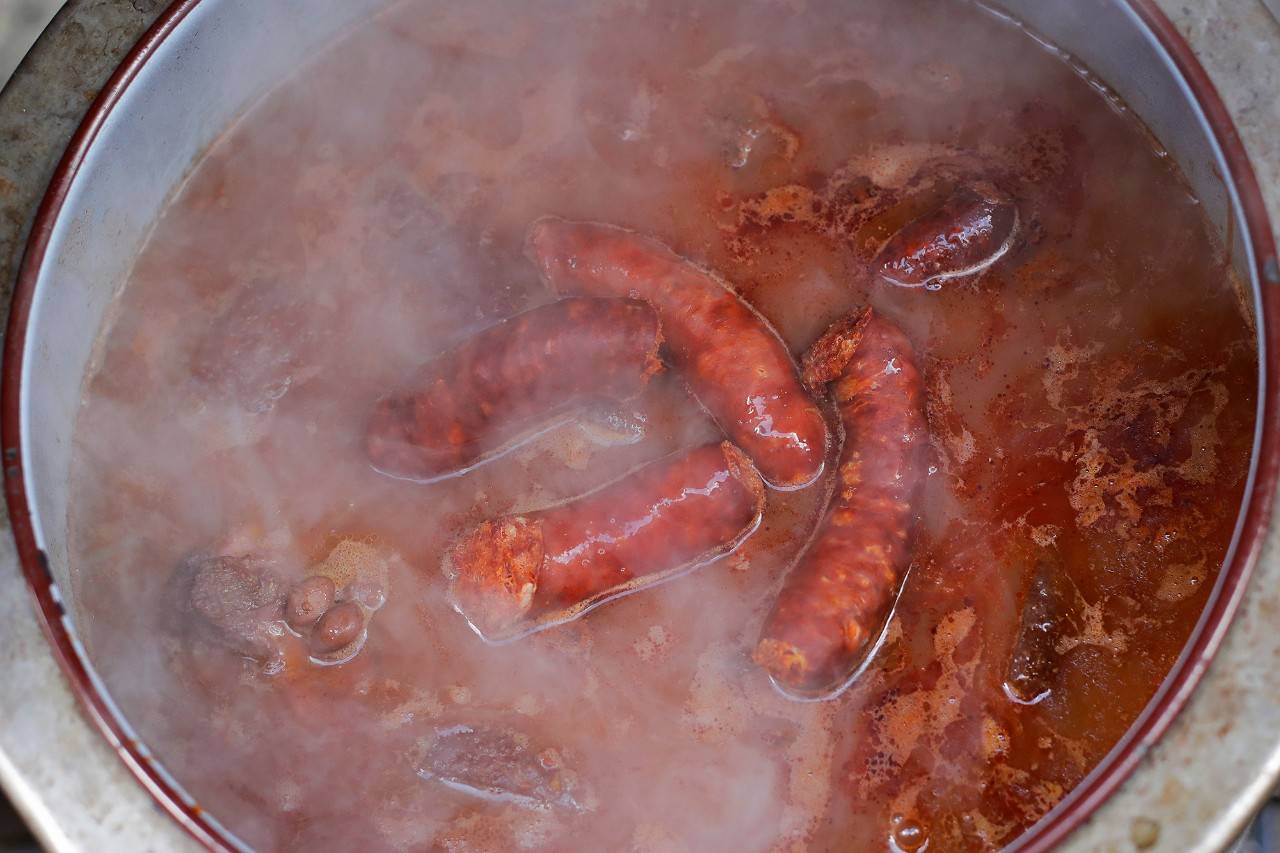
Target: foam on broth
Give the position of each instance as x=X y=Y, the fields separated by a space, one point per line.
x=1092 y=393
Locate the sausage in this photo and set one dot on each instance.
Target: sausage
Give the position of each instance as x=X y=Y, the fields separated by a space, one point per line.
x=497 y=388
x=971 y=230
x=520 y=573
x=838 y=597
x=1035 y=663
x=735 y=363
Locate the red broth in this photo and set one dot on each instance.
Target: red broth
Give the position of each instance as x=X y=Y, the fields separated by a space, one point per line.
x=1091 y=395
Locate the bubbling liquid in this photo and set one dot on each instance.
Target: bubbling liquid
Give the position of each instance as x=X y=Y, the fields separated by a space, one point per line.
x=1090 y=395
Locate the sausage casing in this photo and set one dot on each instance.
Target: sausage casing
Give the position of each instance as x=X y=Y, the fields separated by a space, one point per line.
x=968 y=232
x=837 y=598
x=500 y=385
x=735 y=363
x=515 y=574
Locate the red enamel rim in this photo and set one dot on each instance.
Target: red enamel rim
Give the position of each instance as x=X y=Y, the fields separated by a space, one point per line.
x=1068 y=815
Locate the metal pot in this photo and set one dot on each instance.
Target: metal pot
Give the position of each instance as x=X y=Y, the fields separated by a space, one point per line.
x=159 y=111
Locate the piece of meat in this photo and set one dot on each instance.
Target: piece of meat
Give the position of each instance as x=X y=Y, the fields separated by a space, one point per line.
x=971 y=230
x=834 y=603
x=500 y=763
x=1046 y=617
x=500 y=386
x=733 y=360
x=239 y=602
x=519 y=573
x=258 y=600
x=252 y=353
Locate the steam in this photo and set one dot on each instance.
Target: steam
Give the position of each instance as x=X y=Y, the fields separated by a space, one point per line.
x=369 y=215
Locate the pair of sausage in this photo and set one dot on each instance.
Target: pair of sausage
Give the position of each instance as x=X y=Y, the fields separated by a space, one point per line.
x=312 y=609
x=624 y=294
x=737 y=366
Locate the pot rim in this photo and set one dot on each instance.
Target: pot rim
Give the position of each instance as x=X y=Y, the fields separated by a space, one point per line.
x=1119 y=763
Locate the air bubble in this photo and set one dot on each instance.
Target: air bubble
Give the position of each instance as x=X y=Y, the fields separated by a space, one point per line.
x=907 y=836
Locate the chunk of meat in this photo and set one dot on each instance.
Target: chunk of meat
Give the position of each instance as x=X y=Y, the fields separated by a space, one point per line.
x=252 y=352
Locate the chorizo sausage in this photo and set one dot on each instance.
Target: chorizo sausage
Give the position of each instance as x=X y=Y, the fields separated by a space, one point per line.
x=519 y=573
x=837 y=598
x=971 y=230
x=495 y=389
x=735 y=363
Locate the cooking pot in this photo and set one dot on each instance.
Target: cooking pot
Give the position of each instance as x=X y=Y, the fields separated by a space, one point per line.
x=202 y=63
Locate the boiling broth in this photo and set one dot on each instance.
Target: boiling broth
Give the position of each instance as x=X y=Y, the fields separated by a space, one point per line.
x=1091 y=395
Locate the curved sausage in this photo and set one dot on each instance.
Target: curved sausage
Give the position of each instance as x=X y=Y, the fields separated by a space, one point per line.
x=500 y=762
x=499 y=387
x=837 y=598
x=734 y=361
x=967 y=233
x=515 y=574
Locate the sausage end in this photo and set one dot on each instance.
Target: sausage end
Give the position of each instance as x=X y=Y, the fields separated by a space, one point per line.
x=541 y=245
x=494 y=569
x=965 y=235
x=392 y=447
x=827 y=359
x=653 y=357
x=785 y=662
